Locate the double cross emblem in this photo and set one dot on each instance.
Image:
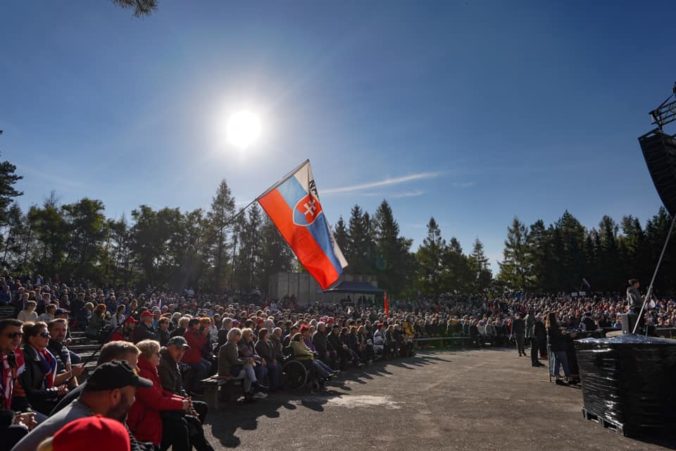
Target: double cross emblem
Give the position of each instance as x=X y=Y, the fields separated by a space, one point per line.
x=310 y=208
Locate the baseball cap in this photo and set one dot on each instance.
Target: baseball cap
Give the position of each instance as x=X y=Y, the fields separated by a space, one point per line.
x=61 y=311
x=81 y=434
x=178 y=341
x=115 y=374
x=146 y=314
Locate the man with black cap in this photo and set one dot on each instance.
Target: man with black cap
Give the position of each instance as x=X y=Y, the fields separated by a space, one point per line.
x=109 y=392
x=171 y=380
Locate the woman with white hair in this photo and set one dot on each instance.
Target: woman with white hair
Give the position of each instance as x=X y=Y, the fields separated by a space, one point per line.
x=230 y=365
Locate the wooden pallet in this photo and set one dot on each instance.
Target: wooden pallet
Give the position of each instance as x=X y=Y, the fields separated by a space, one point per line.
x=606 y=423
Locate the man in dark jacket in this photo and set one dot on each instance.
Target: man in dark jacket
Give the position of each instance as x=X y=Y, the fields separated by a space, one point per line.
x=321 y=343
x=540 y=334
x=144 y=330
x=171 y=380
x=519 y=333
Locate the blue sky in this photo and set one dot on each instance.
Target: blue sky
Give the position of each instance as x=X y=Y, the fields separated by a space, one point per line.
x=470 y=111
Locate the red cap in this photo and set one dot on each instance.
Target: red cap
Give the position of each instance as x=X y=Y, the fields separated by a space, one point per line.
x=147 y=314
x=304 y=328
x=81 y=435
x=131 y=320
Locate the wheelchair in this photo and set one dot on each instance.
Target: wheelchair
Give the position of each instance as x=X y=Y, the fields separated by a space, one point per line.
x=298 y=374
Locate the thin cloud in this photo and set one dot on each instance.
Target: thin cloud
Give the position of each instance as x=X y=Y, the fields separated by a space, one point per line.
x=416 y=193
x=381 y=183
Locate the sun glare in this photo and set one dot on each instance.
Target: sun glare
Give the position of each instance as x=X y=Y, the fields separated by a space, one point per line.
x=243 y=129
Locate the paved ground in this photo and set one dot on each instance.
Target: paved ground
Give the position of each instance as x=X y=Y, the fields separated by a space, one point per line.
x=488 y=399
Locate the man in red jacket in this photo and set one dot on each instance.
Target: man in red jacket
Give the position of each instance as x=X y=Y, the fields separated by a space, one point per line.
x=197 y=338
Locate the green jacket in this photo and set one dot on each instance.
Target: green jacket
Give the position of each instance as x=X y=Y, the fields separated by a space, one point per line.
x=228 y=357
x=300 y=351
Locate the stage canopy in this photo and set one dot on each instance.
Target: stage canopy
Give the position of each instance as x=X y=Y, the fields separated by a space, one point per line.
x=354 y=287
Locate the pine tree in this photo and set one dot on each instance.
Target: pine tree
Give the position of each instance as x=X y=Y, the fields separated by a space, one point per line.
x=247 y=261
x=515 y=268
x=341 y=235
x=219 y=227
x=393 y=263
x=429 y=259
x=480 y=268
x=359 y=246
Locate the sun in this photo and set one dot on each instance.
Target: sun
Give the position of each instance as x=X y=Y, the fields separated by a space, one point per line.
x=243 y=129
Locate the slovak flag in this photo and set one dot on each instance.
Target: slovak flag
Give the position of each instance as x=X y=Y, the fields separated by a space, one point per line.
x=293 y=206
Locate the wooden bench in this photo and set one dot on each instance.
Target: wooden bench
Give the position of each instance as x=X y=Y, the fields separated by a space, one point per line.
x=221 y=389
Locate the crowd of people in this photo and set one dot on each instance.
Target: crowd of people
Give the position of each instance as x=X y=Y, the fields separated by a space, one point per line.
x=160 y=346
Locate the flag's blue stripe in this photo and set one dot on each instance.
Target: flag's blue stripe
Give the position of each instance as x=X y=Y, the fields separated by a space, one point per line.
x=292 y=191
x=320 y=231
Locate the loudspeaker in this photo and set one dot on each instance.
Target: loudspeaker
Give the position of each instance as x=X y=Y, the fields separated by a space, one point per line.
x=659 y=151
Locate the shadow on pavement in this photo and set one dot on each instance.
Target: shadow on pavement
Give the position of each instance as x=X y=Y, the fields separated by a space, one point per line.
x=235 y=416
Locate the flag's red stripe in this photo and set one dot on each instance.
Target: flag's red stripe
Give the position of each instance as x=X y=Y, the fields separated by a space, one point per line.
x=300 y=239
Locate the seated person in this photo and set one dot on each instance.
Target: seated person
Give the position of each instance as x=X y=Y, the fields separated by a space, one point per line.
x=40 y=381
x=97 y=326
x=265 y=348
x=147 y=419
x=13 y=425
x=58 y=329
x=170 y=373
x=304 y=354
x=247 y=350
x=230 y=365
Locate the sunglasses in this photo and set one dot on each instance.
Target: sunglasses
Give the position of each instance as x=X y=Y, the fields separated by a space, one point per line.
x=14 y=335
x=44 y=335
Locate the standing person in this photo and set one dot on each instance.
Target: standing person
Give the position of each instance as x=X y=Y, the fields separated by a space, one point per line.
x=109 y=392
x=540 y=334
x=530 y=335
x=519 y=332
x=13 y=425
x=634 y=296
x=557 y=347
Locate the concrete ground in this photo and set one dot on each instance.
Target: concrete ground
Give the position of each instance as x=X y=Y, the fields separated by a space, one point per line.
x=482 y=399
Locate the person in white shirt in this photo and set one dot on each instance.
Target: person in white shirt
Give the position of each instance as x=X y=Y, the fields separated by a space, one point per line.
x=28 y=314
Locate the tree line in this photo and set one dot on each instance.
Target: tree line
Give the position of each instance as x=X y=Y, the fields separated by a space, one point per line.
x=566 y=256
x=218 y=249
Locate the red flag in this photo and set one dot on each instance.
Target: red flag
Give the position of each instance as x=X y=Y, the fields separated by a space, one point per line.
x=386 y=303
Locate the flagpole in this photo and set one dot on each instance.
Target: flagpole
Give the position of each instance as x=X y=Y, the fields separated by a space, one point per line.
x=657 y=268
x=282 y=180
